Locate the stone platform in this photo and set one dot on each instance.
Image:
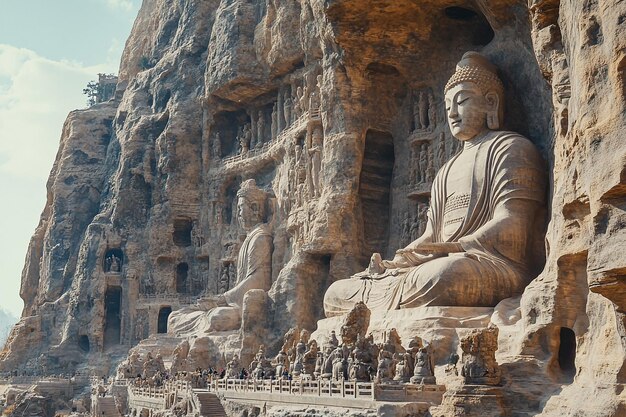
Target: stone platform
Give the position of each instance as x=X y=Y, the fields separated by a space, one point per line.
x=439 y=326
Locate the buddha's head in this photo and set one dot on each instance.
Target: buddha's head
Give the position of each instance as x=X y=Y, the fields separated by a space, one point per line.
x=474 y=97
x=251 y=202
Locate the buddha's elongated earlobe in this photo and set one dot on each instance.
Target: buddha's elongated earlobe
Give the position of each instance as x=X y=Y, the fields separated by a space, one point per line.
x=493 y=112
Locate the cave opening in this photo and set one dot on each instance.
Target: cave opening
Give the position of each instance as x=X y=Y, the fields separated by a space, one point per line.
x=182 y=272
x=320 y=284
x=567 y=351
x=182 y=232
x=375 y=189
x=480 y=31
x=83 y=343
x=164 y=314
x=228 y=127
x=112 y=316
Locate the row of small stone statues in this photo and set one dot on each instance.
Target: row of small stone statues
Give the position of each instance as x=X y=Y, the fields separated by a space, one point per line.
x=363 y=360
x=112 y=263
x=428 y=157
x=286 y=110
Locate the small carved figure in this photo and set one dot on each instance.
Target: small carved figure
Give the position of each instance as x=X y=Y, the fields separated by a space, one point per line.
x=339 y=364
x=260 y=129
x=424 y=370
x=196 y=236
x=403 y=368
x=217 y=146
x=300 y=175
x=287 y=109
x=246 y=138
x=451 y=368
x=224 y=281
x=298 y=365
x=362 y=361
x=115 y=264
x=333 y=341
x=315 y=153
x=441 y=150
x=479 y=364
x=281 y=363
x=430 y=169
x=232 y=275
x=327 y=367
x=319 y=364
x=310 y=360
x=304 y=98
x=432 y=111
x=297 y=103
x=423 y=162
x=386 y=367
x=423 y=110
x=274 y=126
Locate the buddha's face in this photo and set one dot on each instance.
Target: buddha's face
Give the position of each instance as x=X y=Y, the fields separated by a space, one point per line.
x=467 y=108
x=247 y=213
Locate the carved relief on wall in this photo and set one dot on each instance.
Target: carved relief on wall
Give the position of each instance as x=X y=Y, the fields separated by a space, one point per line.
x=423 y=110
x=256 y=129
x=113 y=259
x=142 y=324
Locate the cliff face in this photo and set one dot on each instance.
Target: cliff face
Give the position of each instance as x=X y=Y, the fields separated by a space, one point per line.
x=141 y=210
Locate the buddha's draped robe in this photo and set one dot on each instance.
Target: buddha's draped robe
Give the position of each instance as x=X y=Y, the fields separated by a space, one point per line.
x=501 y=253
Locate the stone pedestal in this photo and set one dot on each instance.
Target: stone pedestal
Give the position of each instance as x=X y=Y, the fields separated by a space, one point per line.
x=435 y=325
x=472 y=401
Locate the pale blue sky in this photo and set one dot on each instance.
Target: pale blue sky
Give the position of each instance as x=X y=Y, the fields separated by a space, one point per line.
x=49 y=50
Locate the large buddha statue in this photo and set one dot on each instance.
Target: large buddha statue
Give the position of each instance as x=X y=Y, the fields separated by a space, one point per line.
x=254 y=263
x=483 y=240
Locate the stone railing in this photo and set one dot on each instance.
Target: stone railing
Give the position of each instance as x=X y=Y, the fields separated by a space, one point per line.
x=318 y=388
x=157 y=398
x=342 y=389
x=180 y=298
x=156 y=392
x=43 y=379
x=296 y=126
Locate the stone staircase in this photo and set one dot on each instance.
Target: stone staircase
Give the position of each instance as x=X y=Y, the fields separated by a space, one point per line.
x=107 y=407
x=209 y=404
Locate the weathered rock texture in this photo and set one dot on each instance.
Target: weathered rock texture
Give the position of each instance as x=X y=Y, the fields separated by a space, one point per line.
x=148 y=178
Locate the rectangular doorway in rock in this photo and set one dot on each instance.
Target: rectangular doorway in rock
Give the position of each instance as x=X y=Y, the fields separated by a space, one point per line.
x=112 y=316
x=374 y=190
x=164 y=314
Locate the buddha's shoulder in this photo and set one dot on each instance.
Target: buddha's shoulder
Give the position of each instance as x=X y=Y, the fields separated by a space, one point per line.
x=512 y=142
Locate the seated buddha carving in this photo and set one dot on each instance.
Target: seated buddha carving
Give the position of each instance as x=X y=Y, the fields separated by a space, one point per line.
x=483 y=240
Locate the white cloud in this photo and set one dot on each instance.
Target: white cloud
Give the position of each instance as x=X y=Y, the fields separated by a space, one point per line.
x=126 y=5
x=36 y=94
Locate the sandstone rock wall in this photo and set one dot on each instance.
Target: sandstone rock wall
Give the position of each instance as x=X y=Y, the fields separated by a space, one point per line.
x=150 y=177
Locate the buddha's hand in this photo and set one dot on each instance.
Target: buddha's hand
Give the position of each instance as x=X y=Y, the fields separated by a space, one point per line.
x=374 y=269
x=212 y=301
x=406 y=258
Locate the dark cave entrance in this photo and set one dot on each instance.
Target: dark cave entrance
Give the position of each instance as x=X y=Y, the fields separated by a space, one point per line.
x=567 y=352
x=112 y=316
x=182 y=272
x=164 y=314
x=374 y=190
x=182 y=232
x=83 y=343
